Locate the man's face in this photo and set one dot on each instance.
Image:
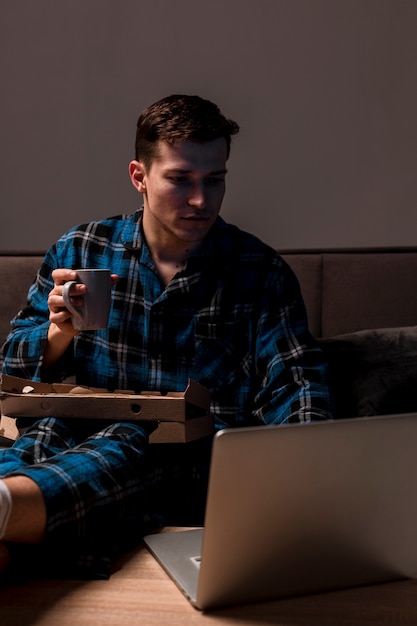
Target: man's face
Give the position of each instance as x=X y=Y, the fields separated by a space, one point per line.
x=183 y=190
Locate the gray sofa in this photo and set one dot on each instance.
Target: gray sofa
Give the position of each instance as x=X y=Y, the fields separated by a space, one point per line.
x=362 y=308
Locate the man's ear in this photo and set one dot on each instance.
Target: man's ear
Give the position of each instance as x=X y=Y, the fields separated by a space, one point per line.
x=137 y=176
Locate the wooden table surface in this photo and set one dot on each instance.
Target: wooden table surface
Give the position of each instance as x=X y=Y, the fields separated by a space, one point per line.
x=139 y=592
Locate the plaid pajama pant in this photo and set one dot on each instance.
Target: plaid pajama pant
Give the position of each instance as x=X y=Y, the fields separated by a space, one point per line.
x=103 y=491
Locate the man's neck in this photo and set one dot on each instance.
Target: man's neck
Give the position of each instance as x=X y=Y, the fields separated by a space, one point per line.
x=165 y=248
x=162 y=252
x=169 y=259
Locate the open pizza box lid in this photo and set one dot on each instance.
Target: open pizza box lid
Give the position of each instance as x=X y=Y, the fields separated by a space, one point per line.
x=175 y=411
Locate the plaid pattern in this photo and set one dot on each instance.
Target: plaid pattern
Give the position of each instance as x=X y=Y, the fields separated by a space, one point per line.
x=104 y=491
x=232 y=320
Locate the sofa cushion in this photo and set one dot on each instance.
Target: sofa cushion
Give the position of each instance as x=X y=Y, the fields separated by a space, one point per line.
x=18 y=272
x=308 y=269
x=373 y=372
x=368 y=290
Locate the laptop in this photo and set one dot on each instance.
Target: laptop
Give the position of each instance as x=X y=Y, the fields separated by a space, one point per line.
x=299 y=509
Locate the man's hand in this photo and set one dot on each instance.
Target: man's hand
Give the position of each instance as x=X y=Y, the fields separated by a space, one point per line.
x=58 y=313
x=61 y=330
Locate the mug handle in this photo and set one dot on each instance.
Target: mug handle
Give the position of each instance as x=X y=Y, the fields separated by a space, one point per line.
x=75 y=311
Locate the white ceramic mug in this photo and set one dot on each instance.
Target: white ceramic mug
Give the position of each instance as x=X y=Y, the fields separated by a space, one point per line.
x=93 y=314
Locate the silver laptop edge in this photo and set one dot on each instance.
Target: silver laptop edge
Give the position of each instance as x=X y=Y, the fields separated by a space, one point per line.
x=301 y=508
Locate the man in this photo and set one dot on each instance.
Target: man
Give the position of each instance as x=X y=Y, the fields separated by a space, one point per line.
x=193 y=297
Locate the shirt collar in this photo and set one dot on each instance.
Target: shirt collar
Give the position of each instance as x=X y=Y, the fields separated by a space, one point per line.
x=131 y=235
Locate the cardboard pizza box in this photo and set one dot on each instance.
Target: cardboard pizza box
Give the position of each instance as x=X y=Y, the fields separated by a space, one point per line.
x=182 y=416
x=26 y=398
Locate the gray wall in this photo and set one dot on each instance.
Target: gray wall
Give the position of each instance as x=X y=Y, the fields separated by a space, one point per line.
x=325 y=92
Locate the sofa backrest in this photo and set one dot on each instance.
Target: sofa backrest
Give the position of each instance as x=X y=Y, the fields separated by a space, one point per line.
x=17 y=272
x=344 y=290
x=350 y=290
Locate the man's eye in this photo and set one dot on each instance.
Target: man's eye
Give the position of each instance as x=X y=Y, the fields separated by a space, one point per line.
x=178 y=179
x=215 y=181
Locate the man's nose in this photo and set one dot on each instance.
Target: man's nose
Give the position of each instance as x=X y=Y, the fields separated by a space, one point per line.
x=197 y=197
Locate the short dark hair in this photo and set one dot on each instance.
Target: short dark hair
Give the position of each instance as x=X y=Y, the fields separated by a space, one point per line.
x=180 y=118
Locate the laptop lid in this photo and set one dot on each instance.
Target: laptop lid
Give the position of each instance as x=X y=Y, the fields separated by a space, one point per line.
x=302 y=508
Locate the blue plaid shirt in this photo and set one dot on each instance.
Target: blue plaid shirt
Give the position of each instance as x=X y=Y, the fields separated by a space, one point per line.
x=233 y=319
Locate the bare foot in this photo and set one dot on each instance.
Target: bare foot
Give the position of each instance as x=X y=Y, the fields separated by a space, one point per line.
x=4 y=557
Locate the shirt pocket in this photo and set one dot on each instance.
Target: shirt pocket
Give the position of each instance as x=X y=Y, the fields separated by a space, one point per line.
x=222 y=352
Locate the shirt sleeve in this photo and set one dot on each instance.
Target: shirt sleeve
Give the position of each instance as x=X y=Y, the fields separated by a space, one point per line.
x=22 y=352
x=291 y=366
